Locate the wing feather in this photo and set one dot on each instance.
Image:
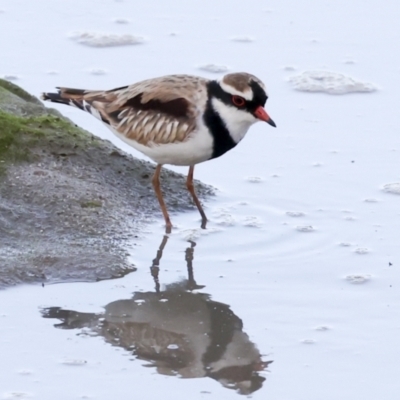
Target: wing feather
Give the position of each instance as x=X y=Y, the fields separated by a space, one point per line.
x=157 y=111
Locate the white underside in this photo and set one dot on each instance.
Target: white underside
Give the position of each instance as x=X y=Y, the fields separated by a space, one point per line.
x=199 y=146
x=196 y=149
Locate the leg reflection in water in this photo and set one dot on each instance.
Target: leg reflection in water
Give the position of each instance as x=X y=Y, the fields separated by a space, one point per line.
x=177 y=331
x=189 y=255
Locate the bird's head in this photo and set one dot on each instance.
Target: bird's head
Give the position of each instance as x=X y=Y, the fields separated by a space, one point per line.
x=244 y=96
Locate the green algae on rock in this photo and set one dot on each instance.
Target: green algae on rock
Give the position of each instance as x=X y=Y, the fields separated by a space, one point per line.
x=20 y=136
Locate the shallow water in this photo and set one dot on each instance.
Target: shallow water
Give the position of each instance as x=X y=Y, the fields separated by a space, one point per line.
x=321 y=312
x=300 y=259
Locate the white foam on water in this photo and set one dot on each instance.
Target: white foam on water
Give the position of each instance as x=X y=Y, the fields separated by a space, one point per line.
x=295 y=214
x=393 y=188
x=100 y=39
x=121 y=21
x=10 y=77
x=243 y=39
x=97 y=71
x=254 y=179
x=361 y=250
x=17 y=395
x=306 y=228
x=215 y=68
x=358 y=279
x=329 y=82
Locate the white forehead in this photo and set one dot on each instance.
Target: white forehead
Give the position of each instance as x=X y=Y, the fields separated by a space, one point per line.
x=247 y=93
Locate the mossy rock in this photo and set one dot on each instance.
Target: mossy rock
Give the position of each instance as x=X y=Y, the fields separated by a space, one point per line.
x=19 y=92
x=25 y=125
x=21 y=136
x=17 y=101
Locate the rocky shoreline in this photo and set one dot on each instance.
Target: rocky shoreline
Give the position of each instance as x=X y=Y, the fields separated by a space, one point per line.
x=70 y=203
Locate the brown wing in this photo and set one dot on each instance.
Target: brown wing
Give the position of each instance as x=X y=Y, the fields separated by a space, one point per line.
x=161 y=110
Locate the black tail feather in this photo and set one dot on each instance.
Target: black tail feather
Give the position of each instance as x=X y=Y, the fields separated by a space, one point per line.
x=75 y=98
x=62 y=97
x=54 y=97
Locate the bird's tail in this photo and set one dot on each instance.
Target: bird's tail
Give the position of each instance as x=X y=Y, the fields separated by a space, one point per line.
x=68 y=96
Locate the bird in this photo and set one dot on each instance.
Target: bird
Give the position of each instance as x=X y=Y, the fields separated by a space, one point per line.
x=178 y=119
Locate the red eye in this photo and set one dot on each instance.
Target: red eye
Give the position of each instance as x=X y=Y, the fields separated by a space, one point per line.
x=238 y=101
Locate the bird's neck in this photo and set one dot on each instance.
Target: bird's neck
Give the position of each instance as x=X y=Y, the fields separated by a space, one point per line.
x=222 y=139
x=237 y=122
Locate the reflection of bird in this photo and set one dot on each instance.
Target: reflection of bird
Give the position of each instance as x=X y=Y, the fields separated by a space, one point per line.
x=176 y=119
x=179 y=332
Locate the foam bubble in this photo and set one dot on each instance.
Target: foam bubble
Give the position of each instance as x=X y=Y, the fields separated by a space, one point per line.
x=392 y=188
x=214 y=68
x=254 y=179
x=242 y=39
x=73 y=362
x=98 y=71
x=329 y=82
x=371 y=200
x=306 y=228
x=25 y=372
x=99 y=39
x=11 y=77
x=121 y=21
x=295 y=214
x=252 y=221
x=358 y=279
x=322 y=328
x=361 y=250
x=17 y=395
x=225 y=220
x=308 y=341
x=197 y=233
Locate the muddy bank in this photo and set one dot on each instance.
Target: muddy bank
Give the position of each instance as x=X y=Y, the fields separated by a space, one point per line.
x=70 y=203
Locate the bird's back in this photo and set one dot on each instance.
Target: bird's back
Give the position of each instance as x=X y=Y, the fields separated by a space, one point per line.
x=160 y=110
